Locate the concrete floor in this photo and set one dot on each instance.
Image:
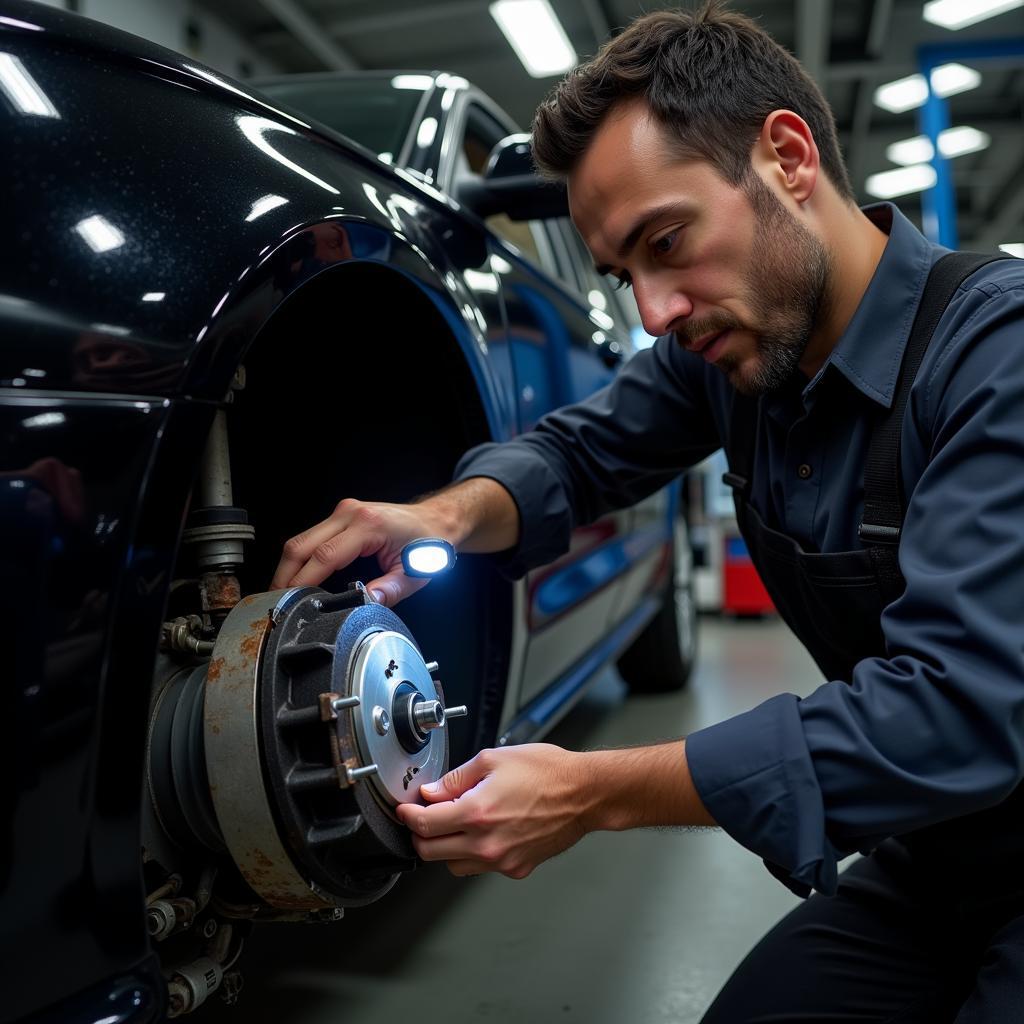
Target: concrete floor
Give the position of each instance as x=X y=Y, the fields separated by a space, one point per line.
x=637 y=927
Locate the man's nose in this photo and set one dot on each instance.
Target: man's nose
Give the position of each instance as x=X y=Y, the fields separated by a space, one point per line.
x=661 y=310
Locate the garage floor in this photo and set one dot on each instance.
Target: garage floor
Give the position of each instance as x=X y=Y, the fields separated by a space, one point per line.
x=640 y=927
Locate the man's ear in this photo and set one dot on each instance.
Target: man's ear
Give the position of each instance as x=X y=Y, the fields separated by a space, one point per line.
x=787 y=154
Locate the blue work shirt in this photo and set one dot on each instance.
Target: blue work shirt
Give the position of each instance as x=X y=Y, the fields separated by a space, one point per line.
x=931 y=732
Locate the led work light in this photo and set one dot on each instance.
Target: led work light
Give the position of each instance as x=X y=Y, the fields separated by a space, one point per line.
x=427 y=556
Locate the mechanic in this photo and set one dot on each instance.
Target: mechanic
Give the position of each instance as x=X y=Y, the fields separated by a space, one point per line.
x=703 y=170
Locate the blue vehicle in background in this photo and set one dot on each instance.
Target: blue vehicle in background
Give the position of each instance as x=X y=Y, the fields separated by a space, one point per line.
x=223 y=309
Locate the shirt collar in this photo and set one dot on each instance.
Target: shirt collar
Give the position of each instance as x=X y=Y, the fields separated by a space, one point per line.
x=870 y=350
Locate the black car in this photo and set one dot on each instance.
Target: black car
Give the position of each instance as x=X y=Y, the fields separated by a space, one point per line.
x=219 y=316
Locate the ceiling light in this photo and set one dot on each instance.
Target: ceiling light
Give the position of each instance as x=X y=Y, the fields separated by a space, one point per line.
x=950 y=79
x=962 y=139
x=154 y=296
x=535 y=33
x=1014 y=249
x=957 y=14
x=901 y=182
x=99 y=234
x=952 y=142
x=917 y=150
x=907 y=93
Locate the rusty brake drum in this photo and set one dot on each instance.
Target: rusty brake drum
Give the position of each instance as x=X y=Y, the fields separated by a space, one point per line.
x=319 y=716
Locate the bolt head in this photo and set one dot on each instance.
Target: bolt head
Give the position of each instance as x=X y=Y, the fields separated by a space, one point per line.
x=381 y=720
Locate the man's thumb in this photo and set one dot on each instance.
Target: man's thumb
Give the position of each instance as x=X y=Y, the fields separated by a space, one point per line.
x=393 y=587
x=458 y=781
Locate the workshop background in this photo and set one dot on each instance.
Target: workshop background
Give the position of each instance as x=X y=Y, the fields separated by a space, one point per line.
x=641 y=927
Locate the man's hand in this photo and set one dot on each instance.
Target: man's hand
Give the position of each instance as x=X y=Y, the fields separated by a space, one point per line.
x=505 y=810
x=510 y=809
x=476 y=515
x=360 y=529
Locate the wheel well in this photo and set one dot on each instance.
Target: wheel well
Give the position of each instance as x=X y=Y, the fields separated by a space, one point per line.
x=356 y=388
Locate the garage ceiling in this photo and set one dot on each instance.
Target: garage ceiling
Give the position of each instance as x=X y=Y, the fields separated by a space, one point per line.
x=851 y=47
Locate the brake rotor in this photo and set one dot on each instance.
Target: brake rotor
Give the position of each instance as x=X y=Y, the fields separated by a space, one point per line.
x=320 y=716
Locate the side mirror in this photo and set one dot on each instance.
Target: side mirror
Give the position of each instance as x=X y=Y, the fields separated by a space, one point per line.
x=510 y=185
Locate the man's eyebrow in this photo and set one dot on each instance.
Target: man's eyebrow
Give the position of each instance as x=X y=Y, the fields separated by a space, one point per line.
x=638 y=229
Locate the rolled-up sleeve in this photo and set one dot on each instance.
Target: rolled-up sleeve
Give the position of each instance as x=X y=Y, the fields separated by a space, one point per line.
x=607 y=452
x=935 y=730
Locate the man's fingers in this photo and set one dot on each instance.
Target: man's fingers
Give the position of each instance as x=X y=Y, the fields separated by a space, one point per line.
x=393 y=587
x=300 y=548
x=458 y=781
x=460 y=847
x=335 y=553
x=435 y=820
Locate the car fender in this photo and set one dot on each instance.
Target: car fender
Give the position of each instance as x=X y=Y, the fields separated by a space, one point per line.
x=172 y=224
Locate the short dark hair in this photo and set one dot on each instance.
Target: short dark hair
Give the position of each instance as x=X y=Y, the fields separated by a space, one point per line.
x=709 y=76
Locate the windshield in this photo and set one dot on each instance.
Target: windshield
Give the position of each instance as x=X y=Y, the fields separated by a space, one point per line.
x=370 y=110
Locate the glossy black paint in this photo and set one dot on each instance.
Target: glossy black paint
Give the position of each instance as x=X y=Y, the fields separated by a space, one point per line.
x=155 y=218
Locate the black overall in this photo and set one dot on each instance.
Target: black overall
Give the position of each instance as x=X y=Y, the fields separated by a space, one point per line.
x=903 y=940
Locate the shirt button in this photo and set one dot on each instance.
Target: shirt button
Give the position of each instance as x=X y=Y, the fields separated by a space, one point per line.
x=804 y=472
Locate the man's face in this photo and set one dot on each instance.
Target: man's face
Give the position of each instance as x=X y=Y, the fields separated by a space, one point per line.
x=729 y=270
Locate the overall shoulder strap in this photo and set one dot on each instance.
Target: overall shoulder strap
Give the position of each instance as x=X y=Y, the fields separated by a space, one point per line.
x=884 y=500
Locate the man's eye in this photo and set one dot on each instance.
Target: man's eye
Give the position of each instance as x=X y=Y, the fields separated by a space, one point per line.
x=663 y=245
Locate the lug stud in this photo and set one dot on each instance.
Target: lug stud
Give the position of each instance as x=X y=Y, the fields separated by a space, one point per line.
x=355 y=774
x=341 y=703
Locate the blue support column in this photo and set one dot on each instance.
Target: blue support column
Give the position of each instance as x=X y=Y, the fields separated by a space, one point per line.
x=939 y=202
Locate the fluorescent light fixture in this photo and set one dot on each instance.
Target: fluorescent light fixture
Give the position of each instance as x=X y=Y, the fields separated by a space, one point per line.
x=917 y=150
x=901 y=182
x=957 y=14
x=419 y=82
x=22 y=89
x=264 y=205
x=99 y=234
x=950 y=79
x=953 y=142
x=1014 y=249
x=533 y=30
x=903 y=94
x=910 y=92
x=154 y=296
x=962 y=139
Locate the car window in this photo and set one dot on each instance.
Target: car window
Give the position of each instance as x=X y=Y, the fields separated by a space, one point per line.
x=481 y=133
x=370 y=110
